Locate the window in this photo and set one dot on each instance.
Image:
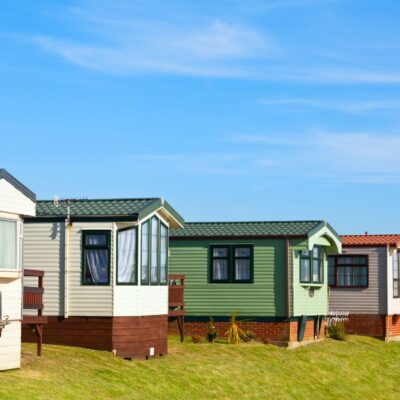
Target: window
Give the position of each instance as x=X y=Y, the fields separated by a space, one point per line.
x=154 y=264
x=8 y=244
x=231 y=264
x=312 y=265
x=96 y=257
x=163 y=254
x=126 y=266
x=396 y=274
x=348 y=271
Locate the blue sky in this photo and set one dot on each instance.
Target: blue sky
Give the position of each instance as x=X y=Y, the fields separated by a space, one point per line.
x=231 y=110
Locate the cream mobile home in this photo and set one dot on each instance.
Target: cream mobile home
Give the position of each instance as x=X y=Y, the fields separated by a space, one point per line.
x=16 y=202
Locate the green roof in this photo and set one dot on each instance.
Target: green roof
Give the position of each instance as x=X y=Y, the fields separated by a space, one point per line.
x=136 y=208
x=258 y=228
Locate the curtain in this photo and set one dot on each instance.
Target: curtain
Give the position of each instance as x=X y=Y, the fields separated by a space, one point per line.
x=242 y=270
x=220 y=270
x=316 y=267
x=145 y=253
x=164 y=254
x=8 y=244
x=97 y=263
x=154 y=250
x=305 y=270
x=127 y=256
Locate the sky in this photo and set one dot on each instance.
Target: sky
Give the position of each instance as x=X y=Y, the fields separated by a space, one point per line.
x=233 y=110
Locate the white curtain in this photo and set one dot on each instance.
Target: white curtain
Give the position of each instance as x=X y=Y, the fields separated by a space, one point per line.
x=127 y=256
x=305 y=270
x=8 y=244
x=242 y=270
x=97 y=262
x=164 y=254
x=220 y=270
x=154 y=250
x=145 y=253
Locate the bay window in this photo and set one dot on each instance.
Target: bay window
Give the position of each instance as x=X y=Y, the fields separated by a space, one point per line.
x=126 y=265
x=312 y=265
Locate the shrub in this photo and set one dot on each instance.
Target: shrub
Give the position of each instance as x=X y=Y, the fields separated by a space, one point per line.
x=337 y=331
x=211 y=332
x=196 y=339
x=250 y=336
x=234 y=334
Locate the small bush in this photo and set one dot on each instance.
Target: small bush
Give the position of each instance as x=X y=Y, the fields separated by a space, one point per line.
x=211 y=332
x=250 y=336
x=196 y=339
x=337 y=331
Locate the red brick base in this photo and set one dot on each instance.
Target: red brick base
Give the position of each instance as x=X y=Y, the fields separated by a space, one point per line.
x=278 y=332
x=128 y=337
x=375 y=325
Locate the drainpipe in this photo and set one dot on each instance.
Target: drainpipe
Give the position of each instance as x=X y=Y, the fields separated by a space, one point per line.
x=287 y=277
x=68 y=231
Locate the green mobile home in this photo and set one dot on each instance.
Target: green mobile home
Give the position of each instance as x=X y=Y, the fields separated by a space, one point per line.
x=273 y=274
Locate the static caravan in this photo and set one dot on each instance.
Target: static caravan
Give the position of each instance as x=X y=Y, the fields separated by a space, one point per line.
x=273 y=274
x=106 y=265
x=364 y=282
x=16 y=202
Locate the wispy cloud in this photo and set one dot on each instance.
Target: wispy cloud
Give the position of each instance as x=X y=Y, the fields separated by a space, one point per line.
x=216 y=48
x=357 y=157
x=204 y=164
x=335 y=105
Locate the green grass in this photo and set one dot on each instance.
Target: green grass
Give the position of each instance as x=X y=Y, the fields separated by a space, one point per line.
x=358 y=368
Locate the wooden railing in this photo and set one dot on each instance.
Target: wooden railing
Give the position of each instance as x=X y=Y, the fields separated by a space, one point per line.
x=176 y=301
x=33 y=300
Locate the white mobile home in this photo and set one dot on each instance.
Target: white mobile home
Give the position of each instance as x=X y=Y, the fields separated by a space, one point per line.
x=106 y=265
x=16 y=202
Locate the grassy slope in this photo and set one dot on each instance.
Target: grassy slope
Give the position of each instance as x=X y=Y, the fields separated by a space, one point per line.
x=360 y=368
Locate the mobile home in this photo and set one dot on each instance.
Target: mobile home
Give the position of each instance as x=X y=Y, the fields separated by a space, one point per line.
x=16 y=202
x=364 y=282
x=106 y=265
x=273 y=274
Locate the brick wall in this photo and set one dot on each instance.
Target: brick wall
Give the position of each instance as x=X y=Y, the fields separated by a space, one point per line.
x=366 y=324
x=392 y=325
x=264 y=331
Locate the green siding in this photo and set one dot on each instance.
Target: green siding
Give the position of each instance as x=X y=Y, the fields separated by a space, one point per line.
x=302 y=303
x=265 y=297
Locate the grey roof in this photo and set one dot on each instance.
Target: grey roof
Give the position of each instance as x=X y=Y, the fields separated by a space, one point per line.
x=137 y=208
x=4 y=174
x=250 y=228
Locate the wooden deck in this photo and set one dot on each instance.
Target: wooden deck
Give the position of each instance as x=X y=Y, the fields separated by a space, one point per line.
x=33 y=300
x=176 y=301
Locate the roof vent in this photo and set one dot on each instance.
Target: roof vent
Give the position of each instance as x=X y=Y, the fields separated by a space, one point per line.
x=56 y=200
x=366 y=233
x=162 y=201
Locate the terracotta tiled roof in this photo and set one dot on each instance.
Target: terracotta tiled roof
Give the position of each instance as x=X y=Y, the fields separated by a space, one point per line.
x=371 y=240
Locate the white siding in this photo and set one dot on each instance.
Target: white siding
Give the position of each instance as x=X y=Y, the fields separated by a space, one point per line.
x=126 y=301
x=88 y=300
x=10 y=346
x=153 y=300
x=44 y=250
x=393 y=303
x=13 y=201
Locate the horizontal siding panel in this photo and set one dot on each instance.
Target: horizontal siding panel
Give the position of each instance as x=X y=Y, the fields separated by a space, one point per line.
x=371 y=300
x=265 y=297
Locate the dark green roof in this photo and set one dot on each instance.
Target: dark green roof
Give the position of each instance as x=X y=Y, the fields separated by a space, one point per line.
x=133 y=208
x=259 y=228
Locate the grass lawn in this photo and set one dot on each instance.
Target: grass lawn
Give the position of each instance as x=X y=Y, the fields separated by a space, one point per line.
x=359 y=368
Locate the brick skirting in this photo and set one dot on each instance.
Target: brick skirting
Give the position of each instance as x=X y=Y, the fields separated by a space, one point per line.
x=375 y=325
x=282 y=332
x=128 y=337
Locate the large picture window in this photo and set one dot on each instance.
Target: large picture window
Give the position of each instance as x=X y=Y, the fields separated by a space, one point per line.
x=231 y=264
x=126 y=266
x=96 y=257
x=154 y=256
x=8 y=244
x=348 y=271
x=312 y=265
x=396 y=274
